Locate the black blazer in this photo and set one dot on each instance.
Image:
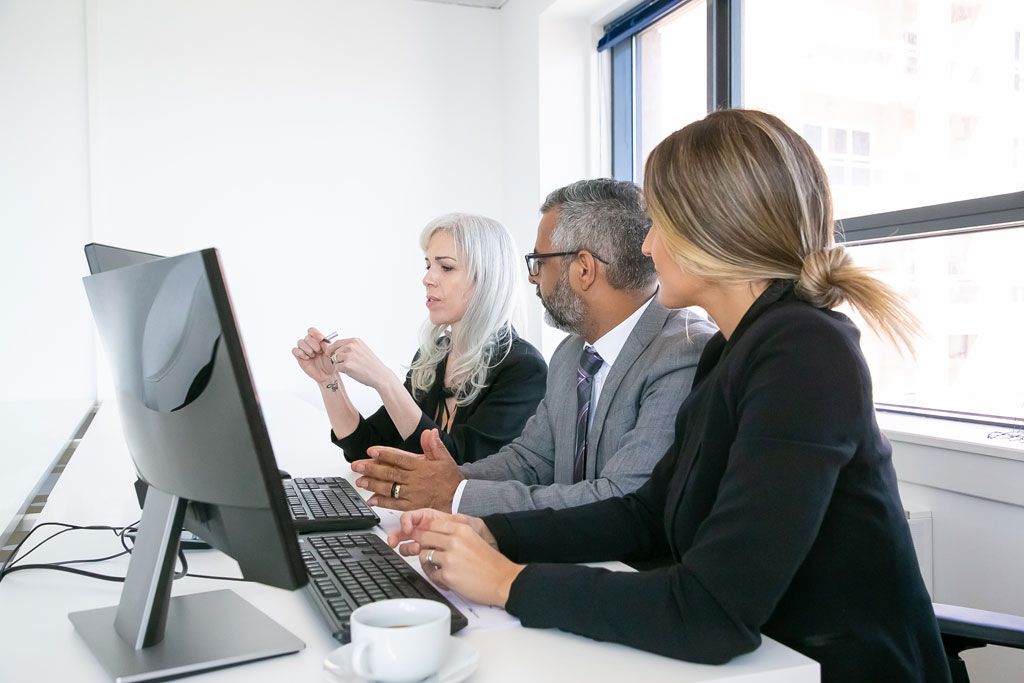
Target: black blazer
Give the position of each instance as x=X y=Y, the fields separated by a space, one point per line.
x=514 y=388
x=776 y=511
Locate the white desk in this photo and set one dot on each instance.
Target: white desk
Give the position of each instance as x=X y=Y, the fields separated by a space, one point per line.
x=37 y=641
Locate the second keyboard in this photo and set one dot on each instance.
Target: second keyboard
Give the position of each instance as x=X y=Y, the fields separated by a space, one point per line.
x=327 y=504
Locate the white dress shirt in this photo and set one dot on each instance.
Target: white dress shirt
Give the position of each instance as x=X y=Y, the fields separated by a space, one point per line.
x=608 y=347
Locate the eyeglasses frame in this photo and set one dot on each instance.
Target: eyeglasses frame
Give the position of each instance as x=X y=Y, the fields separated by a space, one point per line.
x=537 y=256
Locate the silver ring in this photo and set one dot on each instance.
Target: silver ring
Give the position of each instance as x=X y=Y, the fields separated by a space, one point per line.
x=396 y=490
x=430 y=556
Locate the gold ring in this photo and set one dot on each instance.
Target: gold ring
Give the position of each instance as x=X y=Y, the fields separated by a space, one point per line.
x=396 y=490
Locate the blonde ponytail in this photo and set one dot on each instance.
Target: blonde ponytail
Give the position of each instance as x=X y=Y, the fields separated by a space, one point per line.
x=740 y=197
x=829 y=278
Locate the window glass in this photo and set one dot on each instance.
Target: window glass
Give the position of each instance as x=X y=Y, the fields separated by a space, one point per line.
x=672 y=81
x=907 y=102
x=968 y=291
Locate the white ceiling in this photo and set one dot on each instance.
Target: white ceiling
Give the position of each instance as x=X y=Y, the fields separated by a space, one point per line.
x=493 y=4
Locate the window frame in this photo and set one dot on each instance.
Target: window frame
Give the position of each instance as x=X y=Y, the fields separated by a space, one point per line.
x=724 y=61
x=724 y=90
x=981 y=214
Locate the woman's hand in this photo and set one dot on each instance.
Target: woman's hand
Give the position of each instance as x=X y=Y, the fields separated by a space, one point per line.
x=355 y=359
x=312 y=356
x=458 y=552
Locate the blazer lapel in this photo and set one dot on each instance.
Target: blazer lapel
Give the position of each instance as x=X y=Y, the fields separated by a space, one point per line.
x=562 y=411
x=644 y=332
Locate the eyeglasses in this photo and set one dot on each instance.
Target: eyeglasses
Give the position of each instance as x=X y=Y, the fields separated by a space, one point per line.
x=533 y=260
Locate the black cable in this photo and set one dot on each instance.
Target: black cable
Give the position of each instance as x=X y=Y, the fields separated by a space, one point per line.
x=34 y=529
x=133 y=527
x=36 y=546
x=218 y=578
x=12 y=565
x=12 y=559
x=94 y=559
x=59 y=568
x=184 y=565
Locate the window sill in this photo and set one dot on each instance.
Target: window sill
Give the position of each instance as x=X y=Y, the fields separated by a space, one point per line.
x=951 y=435
x=955 y=456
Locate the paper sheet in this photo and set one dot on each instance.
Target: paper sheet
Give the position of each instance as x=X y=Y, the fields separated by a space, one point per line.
x=480 y=617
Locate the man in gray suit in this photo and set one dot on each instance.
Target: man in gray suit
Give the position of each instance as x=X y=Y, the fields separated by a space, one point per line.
x=626 y=355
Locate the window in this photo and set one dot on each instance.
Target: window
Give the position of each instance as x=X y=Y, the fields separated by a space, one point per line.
x=931 y=87
x=845 y=153
x=661 y=76
x=915 y=110
x=910 y=52
x=670 y=89
x=930 y=96
x=965 y=286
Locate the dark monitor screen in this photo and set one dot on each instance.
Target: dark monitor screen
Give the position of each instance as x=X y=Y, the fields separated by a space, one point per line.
x=195 y=432
x=103 y=257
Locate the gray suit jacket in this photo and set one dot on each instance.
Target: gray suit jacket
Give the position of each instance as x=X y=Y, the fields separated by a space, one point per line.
x=632 y=427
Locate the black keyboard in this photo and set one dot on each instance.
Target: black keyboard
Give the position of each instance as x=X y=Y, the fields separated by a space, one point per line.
x=327 y=504
x=349 y=570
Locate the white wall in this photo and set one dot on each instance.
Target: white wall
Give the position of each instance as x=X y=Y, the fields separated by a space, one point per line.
x=47 y=374
x=45 y=350
x=309 y=142
x=522 y=190
x=556 y=106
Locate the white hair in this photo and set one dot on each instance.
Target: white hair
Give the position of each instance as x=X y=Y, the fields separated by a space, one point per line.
x=485 y=332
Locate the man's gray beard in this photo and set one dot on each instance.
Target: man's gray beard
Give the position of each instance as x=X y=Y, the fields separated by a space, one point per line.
x=564 y=309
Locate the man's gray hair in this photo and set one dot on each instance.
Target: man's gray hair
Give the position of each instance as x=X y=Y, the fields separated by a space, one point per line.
x=607 y=218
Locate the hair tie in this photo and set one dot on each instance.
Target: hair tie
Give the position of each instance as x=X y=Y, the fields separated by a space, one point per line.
x=817 y=283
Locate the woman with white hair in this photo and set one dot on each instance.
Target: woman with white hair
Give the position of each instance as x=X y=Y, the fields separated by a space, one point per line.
x=473 y=379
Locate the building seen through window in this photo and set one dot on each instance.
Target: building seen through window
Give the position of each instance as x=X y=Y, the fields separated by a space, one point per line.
x=968 y=291
x=908 y=103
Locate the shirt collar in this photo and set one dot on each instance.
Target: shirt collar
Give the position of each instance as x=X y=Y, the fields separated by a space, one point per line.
x=609 y=346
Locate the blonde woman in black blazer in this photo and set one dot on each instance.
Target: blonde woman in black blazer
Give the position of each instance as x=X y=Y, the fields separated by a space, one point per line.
x=776 y=510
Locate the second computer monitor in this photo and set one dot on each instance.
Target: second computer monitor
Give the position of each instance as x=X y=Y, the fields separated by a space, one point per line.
x=103 y=257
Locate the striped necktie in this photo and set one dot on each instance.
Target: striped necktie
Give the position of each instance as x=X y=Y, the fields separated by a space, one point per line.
x=590 y=363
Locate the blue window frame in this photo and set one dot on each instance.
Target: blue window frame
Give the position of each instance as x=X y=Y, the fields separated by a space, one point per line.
x=723 y=68
x=948 y=235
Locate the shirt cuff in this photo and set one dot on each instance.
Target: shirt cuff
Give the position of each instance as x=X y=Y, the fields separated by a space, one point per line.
x=457 y=498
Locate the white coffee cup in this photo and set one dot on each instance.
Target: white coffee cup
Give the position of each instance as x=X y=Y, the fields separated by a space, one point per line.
x=400 y=640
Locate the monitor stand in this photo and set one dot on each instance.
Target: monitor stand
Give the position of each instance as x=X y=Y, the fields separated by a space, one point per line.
x=152 y=636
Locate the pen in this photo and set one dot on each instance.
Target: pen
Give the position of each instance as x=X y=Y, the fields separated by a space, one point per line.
x=329 y=338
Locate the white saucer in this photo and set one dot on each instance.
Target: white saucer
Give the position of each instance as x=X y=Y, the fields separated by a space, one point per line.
x=462 y=660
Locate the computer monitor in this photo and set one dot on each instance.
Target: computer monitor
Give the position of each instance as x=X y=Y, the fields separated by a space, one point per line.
x=103 y=257
x=196 y=435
